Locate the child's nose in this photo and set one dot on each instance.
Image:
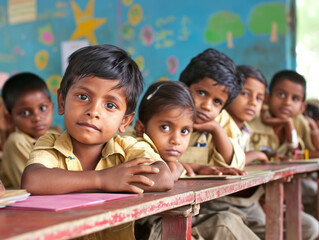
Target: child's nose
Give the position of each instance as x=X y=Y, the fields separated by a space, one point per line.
x=36 y=117
x=93 y=111
x=207 y=105
x=175 y=139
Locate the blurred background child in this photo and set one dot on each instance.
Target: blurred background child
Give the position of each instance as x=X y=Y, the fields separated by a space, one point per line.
x=29 y=106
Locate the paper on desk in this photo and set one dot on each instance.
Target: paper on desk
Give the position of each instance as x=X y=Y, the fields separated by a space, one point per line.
x=13 y=195
x=67 y=201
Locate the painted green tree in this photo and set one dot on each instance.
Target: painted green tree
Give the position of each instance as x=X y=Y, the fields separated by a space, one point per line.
x=268 y=18
x=224 y=26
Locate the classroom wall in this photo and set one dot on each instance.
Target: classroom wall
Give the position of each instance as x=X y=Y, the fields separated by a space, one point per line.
x=162 y=36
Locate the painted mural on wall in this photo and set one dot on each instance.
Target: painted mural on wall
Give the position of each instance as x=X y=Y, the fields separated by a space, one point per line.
x=162 y=36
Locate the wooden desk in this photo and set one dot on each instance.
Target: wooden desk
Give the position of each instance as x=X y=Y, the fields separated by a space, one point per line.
x=23 y=224
x=27 y=224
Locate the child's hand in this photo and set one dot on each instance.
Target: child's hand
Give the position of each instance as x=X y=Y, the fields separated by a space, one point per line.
x=206 y=127
x=121 y=177
x=251 y=156
x=271 y=121
x=176 y=169
x=208 y=170
x=231 y=171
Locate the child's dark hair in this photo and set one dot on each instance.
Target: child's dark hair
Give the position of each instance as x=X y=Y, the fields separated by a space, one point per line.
x=291 y=76
x=217 y=66
x=19 y=84
x=312 y=110
x=252 y=72
x=107 y=62
x=165 y=95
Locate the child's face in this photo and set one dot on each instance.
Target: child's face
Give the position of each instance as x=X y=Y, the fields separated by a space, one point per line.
x=248 y=103
x=32 y=113
x=170 y=131
x=94 y=110
x=286 y=99
x=209 y=99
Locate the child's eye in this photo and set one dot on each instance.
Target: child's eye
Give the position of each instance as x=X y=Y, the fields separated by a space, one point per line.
x=260 y=99
x=83 y=97
x=43 y=108
x=202 y=93
x=281 y=95
x=110 y=105
x=296 y=99
x=185 y=131
x=244 y=93
x=217 y=102
x=165 y=127
x=25 y=113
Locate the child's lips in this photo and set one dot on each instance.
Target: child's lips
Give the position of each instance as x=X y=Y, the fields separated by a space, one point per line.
x=202 y=116
x=40 y=127
x=173 y=152
x=285 y=111
x=250 y=111
x=89 y=126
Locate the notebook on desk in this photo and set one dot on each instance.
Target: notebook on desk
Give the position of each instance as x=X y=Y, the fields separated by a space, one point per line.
x=13 y=195
x=251 y=173
x=66 y=201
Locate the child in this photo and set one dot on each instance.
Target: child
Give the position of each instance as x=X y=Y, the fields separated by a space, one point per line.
x=247 y=106
x=282 y=128
x=166 y=116
x=214 y=83
x=98 y=97
x=29 y=106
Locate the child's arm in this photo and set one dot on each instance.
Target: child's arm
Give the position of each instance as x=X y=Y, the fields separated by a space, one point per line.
x=314 y=132
x=38 y=179
x=221 y=141
x=271 y=121
x=176 y=169
x=194 y=168
x=163 y=179
x=256 y=155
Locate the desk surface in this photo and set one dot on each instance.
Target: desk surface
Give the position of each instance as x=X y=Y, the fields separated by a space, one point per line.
x=28 y=224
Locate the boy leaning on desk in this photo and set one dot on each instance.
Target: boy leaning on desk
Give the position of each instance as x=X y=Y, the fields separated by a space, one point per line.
x=282 y=129
x=98 y=96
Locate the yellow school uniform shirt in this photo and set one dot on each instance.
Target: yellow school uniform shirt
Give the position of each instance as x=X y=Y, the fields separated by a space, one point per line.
x=56 y=151
x=263 y=137
x=201 y=150
x=147 y=139
x=15 y=156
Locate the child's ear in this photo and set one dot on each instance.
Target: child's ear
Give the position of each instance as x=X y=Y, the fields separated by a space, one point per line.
x=139 y=128
x=60 y=103
x=127 y=119
x=303 y=107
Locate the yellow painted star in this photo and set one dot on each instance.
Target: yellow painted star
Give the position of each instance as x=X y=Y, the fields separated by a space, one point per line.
x=85 y=23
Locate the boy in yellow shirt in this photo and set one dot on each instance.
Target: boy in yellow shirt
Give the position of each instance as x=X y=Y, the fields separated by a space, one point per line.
x=98 y=96
x=214 y=83
x=29 y=106
x=282 y=128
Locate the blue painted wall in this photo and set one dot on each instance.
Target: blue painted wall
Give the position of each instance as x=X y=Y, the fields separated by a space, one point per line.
x=161 y=35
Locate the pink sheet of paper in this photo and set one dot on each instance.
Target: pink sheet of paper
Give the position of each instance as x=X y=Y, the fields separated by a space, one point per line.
x=66 y=201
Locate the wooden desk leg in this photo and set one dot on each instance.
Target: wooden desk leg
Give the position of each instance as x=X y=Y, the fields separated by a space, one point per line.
x=274 y=210
x=177 y=223
x=293 y=211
